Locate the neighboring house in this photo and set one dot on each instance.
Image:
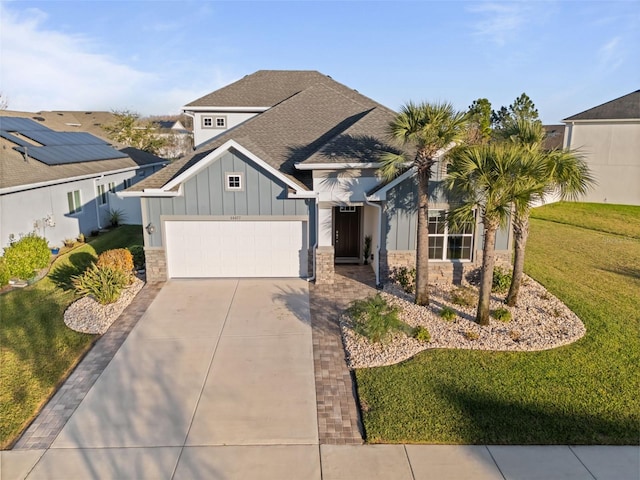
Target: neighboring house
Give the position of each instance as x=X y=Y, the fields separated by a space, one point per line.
x=179 y=140
x=609 y=137
x=61 y=184
x=283 y=183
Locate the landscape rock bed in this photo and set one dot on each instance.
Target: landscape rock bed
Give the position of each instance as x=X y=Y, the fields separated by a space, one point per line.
x=88 y=316
x=539 y=322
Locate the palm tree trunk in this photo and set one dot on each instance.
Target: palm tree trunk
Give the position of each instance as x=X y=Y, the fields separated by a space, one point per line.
x=422 y=247
x=486 y=277
x=520 y=234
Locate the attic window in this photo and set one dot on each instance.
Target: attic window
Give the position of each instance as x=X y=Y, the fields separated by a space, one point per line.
x=234 y=182
x=214 y=122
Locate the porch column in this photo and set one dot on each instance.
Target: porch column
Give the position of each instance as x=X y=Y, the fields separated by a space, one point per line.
x=325 y=253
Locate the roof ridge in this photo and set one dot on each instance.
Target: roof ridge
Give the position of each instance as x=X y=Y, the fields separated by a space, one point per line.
x=602 y=106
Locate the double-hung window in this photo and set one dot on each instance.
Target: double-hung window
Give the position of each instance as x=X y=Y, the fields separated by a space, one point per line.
x=101 y=194
x=73 y=199
x=446 y=243
x=112 y=187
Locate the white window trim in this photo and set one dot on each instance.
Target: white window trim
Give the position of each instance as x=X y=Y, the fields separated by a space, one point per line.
x=112 y=187
x=227 y=178
x=445 y=242
x=347 y=209
x=76 y=208
x=214 y=122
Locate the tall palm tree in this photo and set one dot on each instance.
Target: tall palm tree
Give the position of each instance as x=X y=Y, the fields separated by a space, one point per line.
x=485 y=178
x=561 y=172
x=430 y=129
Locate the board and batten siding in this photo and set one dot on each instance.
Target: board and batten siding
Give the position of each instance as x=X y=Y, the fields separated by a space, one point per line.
x=205 y=195
x=400 y=219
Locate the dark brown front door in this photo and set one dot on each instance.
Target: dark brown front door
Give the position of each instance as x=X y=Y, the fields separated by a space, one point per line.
x=346 y=235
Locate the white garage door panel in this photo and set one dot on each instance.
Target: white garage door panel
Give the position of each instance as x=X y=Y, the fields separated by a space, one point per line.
x=236 y=249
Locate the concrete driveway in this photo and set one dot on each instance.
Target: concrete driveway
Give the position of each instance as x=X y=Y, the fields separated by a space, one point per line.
x=224 y=366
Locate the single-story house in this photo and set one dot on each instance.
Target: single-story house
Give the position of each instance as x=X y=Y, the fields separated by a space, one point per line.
x=61 y=184
x=283 y=184
x=609 y=138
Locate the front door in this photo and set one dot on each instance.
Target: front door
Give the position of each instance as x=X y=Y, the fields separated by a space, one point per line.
x=346 y=238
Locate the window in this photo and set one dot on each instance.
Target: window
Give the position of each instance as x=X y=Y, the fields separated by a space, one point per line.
x=234 y=181
x=75 y=205
x=446 y=243
x=101 y=194
x=112 y=187
x=348 y=209
x=214 y=122
x=126 y=183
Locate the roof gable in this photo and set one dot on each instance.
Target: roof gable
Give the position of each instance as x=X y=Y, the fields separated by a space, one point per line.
x=626 y=107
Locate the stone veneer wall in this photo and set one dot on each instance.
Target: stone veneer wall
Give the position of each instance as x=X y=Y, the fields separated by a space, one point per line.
x=325 y=268
x=156 y=265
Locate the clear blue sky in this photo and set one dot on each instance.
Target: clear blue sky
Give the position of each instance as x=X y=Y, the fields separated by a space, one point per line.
x=155 y=56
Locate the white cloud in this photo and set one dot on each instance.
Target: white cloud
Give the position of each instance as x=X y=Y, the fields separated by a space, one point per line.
x=44 y=69
x=500 y=21
x=611 y=55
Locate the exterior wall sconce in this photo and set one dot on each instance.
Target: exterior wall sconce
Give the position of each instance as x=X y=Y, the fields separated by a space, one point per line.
x=151 y=228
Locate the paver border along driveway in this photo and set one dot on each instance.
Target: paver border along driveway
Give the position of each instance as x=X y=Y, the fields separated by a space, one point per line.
x=212 y=362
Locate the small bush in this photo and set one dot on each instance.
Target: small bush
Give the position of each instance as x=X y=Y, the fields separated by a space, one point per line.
x=514 y=335
x=104 y=283
x=421 y=334
x=69 y=242
x=27 y=255
x=464 y=296
x=374 y=318
x=81 y=238
x=137 y=251
x=406 y=278
x=502 y=315
x=116 y=217
x=501 y=280
x=471 y=335
x=4 y=273
x=448 y=314
x=119 y=259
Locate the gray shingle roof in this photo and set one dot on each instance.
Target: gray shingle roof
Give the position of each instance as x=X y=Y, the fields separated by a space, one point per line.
x=324 y=117
x=553 y=136
x=16 y=170
x=624 y=108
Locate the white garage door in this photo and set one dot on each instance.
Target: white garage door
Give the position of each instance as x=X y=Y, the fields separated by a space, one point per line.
x=236 y=249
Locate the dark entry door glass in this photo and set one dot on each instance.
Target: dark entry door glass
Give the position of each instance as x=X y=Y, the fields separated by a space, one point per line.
x=347 y=232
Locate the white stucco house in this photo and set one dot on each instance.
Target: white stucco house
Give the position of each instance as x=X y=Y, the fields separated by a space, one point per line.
x=608 y=136
x=61 y=184
x=283 y=183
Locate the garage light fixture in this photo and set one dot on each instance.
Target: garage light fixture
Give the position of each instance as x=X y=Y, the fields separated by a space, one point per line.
x=151 y=228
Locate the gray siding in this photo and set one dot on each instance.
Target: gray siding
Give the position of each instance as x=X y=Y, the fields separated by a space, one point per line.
x=205 y=194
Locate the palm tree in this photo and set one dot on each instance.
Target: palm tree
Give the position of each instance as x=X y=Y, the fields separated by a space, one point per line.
x=560 y=172
x=485 y=178
x=430 y=129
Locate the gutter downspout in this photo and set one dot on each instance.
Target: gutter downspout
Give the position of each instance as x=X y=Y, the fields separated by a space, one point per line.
x=95 y=189
x=378 y=233
x=315 y=246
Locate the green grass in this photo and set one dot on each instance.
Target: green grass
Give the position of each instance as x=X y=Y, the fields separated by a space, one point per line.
x=37 y=350
x=584 y=393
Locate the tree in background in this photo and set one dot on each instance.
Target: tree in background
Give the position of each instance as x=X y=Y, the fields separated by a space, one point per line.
x=4 y=101
x=479 y=117
x=522 y=107
x=430 y=129
x=128 y=129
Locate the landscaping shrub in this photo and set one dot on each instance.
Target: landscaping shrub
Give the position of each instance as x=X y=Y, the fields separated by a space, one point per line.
x=448 y=314
x=374 y=318
x=4 y=272
x=464 y=296
x=471 y=335
x=116 y=217
x=102 y=282
x=27 y=255
x=421 y=334
x=81 y=238
x=137 y=251
x=501 y=280
x=69 y=242
x=502 y=315
x=405 y=277
x=119 y=259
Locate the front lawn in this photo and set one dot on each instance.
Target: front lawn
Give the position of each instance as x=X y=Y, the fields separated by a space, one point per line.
x=37 y=350
x=584 y=393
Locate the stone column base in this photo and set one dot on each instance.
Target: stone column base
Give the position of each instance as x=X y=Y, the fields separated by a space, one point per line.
x=156 y=264
x=325 y=268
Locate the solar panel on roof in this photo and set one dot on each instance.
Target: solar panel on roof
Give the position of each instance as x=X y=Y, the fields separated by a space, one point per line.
x=52 y=138
x=18 y=124
x=64 y=154
x=14 y=139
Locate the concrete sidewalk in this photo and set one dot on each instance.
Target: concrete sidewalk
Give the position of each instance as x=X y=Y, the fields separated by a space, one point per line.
x=327 y=462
